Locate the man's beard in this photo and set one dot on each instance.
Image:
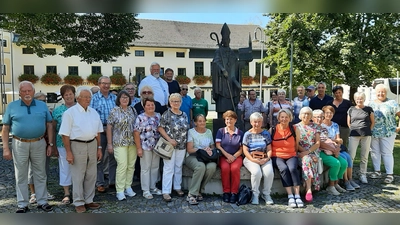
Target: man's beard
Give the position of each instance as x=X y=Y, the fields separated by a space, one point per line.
x=156 y=75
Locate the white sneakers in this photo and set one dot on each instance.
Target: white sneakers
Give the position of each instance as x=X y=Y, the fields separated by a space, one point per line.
x=363 y=179
x=156 y=191
x=120 y=196
x=339 y=189
x=254 y=200
x=268 y=200
x=129 y=192
x=354 y=184
x=332 y=190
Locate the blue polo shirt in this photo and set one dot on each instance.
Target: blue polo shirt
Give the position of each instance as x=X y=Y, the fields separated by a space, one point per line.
x=25 y=121
x=230 y=143
x=186 y=106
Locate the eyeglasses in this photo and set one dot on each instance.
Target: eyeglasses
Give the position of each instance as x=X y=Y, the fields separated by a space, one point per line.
x=175 y=101
x=147 y=92
x=104 y=83
x=129 y=89
x=125 y=97
x=184 y=89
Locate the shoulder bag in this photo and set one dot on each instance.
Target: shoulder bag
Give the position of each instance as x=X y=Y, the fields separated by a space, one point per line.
x=164 y=149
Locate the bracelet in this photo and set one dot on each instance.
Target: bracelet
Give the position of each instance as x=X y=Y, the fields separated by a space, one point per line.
x=99 y=147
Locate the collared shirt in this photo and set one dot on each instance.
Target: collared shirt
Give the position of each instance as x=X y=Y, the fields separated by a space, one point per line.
x=103 y=105
x=317 y=103
x=80 y=124
x=230 y=143
x=159 y=86
x=27 y=121
x=249 y=108
x=186 y=106
x=122 y=122
x=297 y=105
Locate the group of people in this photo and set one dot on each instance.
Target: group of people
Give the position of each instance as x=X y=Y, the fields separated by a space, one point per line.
x=101 y=138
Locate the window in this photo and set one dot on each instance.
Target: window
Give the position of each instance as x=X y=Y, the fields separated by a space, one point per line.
x=51 y=69
x=258 y=68
x=182 y=71
x=73 y=70
x=158 y=54
x=96 y=69
x=180 y=55
x=198 y=68
x=50 y=51
x=161 y=71
x=27 y=51
x=139 y=73
x=117 y=70
x=3 y=70
x=245 y=70
x=29 y=69
x=4 y=43
x=139 y=53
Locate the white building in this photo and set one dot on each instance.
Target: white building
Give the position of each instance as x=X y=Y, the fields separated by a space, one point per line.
x=183 y=46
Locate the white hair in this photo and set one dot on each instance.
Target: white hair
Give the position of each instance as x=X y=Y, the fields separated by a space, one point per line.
x=82 y=88
x=359 y=94
x=255 y=116
x=153 y=64
x=24 y=82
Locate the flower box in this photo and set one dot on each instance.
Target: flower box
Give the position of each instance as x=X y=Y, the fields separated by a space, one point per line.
x=247 y=80
x=182 y=79
x=256 y=79
x=51 y=79
x=93 y=78
x=28 y=77
x=201 y=79
x=118 y=79
x=73 y=80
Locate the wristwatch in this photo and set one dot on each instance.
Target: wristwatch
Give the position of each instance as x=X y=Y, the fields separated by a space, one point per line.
x=51 y=144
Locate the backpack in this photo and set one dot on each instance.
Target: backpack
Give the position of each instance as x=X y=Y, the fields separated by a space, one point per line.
x=292 y=131
x=244 y=195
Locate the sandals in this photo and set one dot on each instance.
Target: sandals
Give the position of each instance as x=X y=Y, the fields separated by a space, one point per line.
x=375 y=175
x=32 y=200
x=191 y=199
x=389 y=179
x=45 y=207
x=66 y=200
x=180 y=193
x=167 y=197
x=199 y=197
x=22 y=210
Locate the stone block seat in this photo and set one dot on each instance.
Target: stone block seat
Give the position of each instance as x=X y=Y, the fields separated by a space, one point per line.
x=215 y=184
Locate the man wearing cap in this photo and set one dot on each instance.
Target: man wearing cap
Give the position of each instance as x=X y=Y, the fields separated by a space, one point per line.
x=28 y=119
x=310 y=92
x=299 y=102
x=321 y=99
x=186 y=105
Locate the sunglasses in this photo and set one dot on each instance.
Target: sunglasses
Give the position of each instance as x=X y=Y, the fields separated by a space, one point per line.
x=147 y=92
x=184 y=89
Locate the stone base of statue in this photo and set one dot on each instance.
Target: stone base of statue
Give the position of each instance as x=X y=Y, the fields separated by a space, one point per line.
x=217 y=123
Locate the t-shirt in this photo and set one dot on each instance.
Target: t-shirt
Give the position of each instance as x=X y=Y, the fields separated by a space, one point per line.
x=176 y=127
x=340 y=116
x=230 y=143
x=282 y=147
x=331 y=131
x=360 y=121
x=200 y=106
x=200 y=140
x=317 y=103
x=385 y=118
x=257 y=142
x=173 y=87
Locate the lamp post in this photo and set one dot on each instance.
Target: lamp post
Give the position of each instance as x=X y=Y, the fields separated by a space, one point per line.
x=262 y=42
x=291 y=68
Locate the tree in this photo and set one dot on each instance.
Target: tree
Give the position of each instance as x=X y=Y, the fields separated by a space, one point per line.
x=93 y=37
x=349 y=48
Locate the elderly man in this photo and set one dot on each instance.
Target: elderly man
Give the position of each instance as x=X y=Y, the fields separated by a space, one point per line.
x=299 y=102
x=186 y=105
x=310 y=92
x=251 y=105
x=28 y=120
x=173 y=85
x=130 y=88
x=159 y=86
x=200 y=105
x=80 y=130
x=321 y=99
x=103 y=101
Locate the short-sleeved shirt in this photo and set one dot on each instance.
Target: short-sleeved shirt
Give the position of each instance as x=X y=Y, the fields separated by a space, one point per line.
x=340 y=116
x=103 y=105
x=81 y=124
x=200 y=106
x=283 y=143
x=122 y=122
x=317 y=103
x=332 y=130
x=57 y=116
x=186 y=106
x=200 y=140
x=147 y=128
x=176 y=126
x=230 y=143
x=257 y=142
x=25 y=121
x=360 y=121
x=297 y=105
x=307 y=134
x=385 y=118
x=248 y=108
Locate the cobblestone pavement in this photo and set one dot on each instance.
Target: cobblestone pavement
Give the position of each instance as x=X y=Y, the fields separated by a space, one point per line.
x=374 y=197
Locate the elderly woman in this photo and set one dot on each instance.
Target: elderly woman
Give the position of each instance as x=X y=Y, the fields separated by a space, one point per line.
x=329 y=154
x=308 y=150
x=68 y=95
x=120 y=143
x=257 y=150
x=284 y=156
x=174 y=127
x=361 y=120
x=146 y=136
x=383 y=133
x=333 y=133
x=147 y=92
x=229 y=141
x=341 y=106
x=130 y=88
x=280 y=103
x=199 y=137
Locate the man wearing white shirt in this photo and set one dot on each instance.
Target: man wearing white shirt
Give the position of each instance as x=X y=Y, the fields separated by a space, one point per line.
x=160 y=86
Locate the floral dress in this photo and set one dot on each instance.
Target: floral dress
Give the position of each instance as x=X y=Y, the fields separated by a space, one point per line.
x=306 y=140
x=385 y=118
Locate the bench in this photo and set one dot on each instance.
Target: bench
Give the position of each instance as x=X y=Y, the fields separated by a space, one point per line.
x=214 y=186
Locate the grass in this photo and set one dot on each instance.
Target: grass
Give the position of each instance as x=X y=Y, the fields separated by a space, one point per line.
x=209 y=124
x=396 y=155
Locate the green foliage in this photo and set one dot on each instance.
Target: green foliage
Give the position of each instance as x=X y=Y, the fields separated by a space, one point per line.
x=93 y=37
x=350 y=48
x=118 y=79
x=50 y=79
x=29 y=77
x=93 y=78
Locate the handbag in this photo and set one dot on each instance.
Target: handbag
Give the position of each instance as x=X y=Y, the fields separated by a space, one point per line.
x=258 y=155
x=244 y=195
x=202 y=155
x=164 y=149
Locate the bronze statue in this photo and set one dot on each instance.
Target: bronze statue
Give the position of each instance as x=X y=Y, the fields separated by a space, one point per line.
x=225 y=71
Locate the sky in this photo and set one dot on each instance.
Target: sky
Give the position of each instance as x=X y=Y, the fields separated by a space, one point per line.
x=219 y=18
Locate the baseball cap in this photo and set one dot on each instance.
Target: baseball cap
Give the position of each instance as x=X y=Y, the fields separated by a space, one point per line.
x=311 y=87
